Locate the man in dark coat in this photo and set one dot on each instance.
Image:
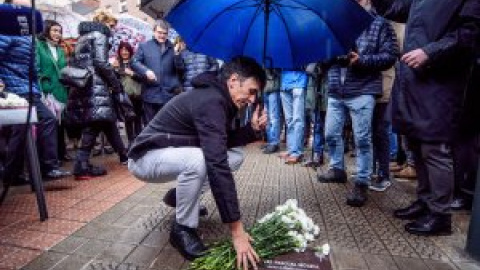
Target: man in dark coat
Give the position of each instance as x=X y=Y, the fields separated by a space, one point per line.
x=427 y=98
x=156 y=61
x=191 y=139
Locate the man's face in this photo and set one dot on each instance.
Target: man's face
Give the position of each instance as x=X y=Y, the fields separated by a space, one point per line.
x=160 y=34
x=243 y=91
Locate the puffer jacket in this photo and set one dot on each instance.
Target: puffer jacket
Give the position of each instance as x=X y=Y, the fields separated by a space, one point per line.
x=193 y=64
x=94 y=103
x=378 y=51
x=15 y=60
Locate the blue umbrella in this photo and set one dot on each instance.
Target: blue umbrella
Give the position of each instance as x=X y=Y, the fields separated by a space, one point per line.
x=278 y=33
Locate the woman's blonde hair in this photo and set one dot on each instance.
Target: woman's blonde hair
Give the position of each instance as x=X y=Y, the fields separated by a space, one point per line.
x=104 y=16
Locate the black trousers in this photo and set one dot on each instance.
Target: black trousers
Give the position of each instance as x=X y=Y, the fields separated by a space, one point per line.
x=46 y=140
x=133 y=127
x=90 y=134
x=465 y=159
x=150 y=110
x=381 y=141
x=434 y=165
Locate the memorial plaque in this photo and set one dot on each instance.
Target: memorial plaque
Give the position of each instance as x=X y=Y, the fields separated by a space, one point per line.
x=307 y=260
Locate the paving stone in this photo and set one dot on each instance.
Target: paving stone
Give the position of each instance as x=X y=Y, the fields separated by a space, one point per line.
x=133 y=236
x=92 y=248
x=102 y=265
x=69 y=245
x=45 y=261
x=143 y=256
x=72 y=263
x=116 y=252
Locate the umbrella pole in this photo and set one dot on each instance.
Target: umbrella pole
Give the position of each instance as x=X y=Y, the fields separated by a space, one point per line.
x=265 y=30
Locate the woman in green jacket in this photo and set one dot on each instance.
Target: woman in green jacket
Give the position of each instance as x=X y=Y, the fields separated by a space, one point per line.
x=50 y=60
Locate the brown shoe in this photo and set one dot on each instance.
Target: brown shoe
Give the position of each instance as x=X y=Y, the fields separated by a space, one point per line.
x=408 y=172
x=283 y=155
x=293 y=160
x=395 y=167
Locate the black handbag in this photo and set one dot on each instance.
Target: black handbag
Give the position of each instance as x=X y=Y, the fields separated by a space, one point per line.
x=77 y=77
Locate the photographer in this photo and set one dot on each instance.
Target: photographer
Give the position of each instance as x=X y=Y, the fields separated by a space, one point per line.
x=353 y=83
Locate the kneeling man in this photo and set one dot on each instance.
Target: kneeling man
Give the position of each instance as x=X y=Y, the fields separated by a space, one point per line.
x=191 y=139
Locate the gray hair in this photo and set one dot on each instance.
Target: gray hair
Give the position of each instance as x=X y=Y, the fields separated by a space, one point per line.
x=162 y=24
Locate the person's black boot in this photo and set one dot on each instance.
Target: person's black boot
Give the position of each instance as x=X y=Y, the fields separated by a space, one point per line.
x=83 y=170
x=333 y=175
x=357 y=197
x=413 y=211
x=170 y=199
x=187 y=241
x=430 y=225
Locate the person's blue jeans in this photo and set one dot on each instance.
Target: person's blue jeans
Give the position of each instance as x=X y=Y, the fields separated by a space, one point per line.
x=273 y=107
x=361 y=112
x=393 y=143
x=318 y=137
x=293 y=103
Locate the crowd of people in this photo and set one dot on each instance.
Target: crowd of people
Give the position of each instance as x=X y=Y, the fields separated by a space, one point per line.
x=401 y=102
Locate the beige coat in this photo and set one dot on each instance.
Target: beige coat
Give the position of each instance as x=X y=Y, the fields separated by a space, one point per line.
x=389 y=75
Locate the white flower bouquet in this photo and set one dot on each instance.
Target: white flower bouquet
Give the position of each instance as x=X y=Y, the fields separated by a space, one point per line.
x=286 y=229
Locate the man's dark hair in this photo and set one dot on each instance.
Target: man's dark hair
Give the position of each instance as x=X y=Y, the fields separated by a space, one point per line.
x=245 y=67
x=48 y=24
x=8 y=1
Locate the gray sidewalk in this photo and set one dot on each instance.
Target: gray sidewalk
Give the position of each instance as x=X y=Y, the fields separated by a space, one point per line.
x=133 y=234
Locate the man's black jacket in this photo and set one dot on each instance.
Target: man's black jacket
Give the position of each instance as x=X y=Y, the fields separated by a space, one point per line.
x=206 y=113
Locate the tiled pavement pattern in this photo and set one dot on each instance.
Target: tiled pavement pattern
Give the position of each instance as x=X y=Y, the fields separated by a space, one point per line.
x=71 y=206
x=133 y=234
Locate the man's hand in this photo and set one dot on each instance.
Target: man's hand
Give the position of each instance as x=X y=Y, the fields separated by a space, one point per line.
x=151 y=76
x=415 y=58
x=129 y=72
x=259 y=121
x=179 y=47
x=353 y=58
x=246 y=255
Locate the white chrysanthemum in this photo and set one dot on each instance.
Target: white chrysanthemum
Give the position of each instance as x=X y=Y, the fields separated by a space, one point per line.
x=309 y=237
x=326 y=249
x=316 y=230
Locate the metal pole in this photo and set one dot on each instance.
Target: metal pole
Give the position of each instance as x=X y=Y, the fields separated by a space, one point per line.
x=265 y=31
x=473 y=239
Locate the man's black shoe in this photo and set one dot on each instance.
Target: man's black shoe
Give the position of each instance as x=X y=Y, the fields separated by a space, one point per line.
x=270 y=149
x=357 y=197
x=415 y=210
x=333 y=175
x=170 y=199
x=85 y=171
x=459 y=204
x=56 y=174
x=431 y=224
x=187 y=241
x=20 y=180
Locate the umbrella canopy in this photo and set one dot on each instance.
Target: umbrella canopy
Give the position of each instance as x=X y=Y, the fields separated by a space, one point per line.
x=68 y=19
x=157 y=9
x=278 y=33
x=131 y=30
